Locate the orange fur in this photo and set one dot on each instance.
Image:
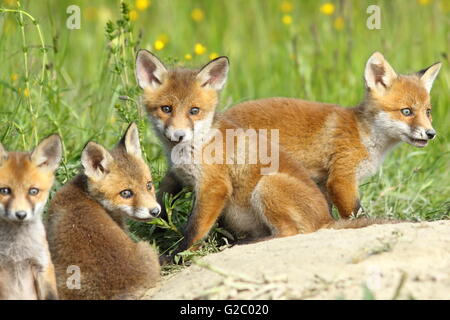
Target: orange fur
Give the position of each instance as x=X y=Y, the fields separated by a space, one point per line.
x=26 y=269
x=87 y=229
x=338 y=146
x=283 y=204
x=20 y=174
x=179 y=83
x=341 y=146
x=251 y=205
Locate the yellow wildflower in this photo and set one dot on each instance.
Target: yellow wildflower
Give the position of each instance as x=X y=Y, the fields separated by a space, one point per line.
x=213 y=55
x=199 y=49
x=14 y=77
x=286 y=6
x=197 y=14
x=424 y=2
x=133 y=15
x=339 y=23
x=142 y=4
x=158 y=45
x=26 y=92
x=327 y=8
x=164 y=38
x=287 y=19
x=188 y=56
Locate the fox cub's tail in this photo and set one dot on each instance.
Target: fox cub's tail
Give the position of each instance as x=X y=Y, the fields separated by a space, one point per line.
x=359 y=223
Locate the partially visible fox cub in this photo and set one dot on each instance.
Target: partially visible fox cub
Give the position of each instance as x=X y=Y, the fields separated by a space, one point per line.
x=26 y=270
x=181 y=104
x=87 y=229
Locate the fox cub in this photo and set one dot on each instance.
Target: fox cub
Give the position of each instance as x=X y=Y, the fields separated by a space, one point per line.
x=87 y=227
x=26 y=269
x=181 y=104
x=341 y=146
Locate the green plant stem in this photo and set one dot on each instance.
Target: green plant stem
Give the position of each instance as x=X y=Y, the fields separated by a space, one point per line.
x=25 y=50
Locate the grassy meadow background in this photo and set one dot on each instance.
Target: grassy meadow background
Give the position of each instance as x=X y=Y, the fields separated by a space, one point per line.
x=53 y=79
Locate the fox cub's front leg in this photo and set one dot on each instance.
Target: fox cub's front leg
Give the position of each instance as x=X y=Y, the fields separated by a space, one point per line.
x=211 y=198
x=45 y=282
x=343 y=191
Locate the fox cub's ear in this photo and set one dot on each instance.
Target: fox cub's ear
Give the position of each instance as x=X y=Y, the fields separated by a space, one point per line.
x=130 y=141
x=96 y=161
x=48 y=153
x=379 y=74
x=428 y=75
x=3 y=154
x=214 y=74
x=150 y=71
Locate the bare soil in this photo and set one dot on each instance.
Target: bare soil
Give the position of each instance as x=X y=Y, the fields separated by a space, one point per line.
x=398 y=261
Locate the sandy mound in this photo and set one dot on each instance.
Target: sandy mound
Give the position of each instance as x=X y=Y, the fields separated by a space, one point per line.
x=404 y=261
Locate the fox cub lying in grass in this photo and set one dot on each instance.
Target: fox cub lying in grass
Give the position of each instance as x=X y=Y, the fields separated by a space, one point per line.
x=26 y=270
x=87 y=229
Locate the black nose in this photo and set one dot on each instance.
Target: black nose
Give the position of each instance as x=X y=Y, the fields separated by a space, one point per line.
x=155 y=211
x=21 y=215
x=430 y=133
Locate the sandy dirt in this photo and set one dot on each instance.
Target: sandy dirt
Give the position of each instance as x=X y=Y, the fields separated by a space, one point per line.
x=399 y=261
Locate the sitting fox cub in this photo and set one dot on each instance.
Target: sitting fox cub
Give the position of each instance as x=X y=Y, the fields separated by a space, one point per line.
x=181 y=104
x=342 y=146
x=87 y=229
x=26 y=270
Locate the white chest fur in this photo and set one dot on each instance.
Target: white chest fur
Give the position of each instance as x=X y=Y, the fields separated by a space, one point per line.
x=23 y=243
x=185 y=164
x=377 y=144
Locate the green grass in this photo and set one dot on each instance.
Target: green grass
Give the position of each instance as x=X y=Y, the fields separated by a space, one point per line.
x=76 y=92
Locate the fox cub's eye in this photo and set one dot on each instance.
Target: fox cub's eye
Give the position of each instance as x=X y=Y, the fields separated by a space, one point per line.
x=33 y=191
x=166 y=109
x=126 y=194
x=428 y=112
x=194 y=111
x=5 y=191
x=406 y=112
x=149 y=185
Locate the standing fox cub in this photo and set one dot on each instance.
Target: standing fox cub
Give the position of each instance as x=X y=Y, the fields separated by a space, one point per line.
x=181 y=104
x=341 y=146
x=87 y=228
x=26 y=270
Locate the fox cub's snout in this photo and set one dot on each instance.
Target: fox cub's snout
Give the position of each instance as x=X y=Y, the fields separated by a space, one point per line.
x=180 y=102
x=401 y=102
x=26 y=179
x=120 y=179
